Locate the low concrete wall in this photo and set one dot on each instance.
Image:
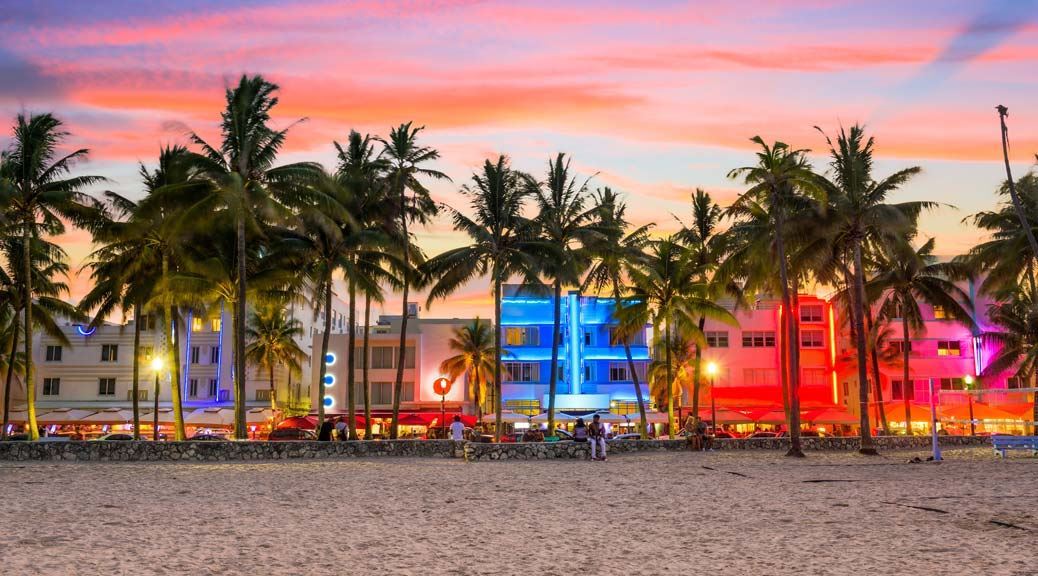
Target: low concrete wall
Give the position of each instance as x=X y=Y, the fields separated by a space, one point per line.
x=472 y=451
x=220 y=451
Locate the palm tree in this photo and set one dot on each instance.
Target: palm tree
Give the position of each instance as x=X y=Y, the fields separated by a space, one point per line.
x=671 y=368
x=42 y=198
x=252 y=190
x=666 y=291
x=406 y=165
x=503 y=245
x=475 y=360
x=565 y=222
x=1018 y=206
x=780 y=183
x=907 y=277
x=709 y=248
x=272 y=342
x=360 y=171
x=1016 y=337
x=861 y=215
x=613 y=251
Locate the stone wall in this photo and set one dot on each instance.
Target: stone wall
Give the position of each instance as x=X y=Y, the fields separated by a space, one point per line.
x=220 y=451
x=472 y=451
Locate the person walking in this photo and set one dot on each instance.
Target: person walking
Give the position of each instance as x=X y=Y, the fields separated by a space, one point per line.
x=596 y=432
x=457 y=429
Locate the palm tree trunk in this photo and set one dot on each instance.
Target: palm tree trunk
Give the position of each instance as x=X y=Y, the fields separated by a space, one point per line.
x=858 y=316
x=398 y=384
x=324 y=348
x=497 y=356
x=273 y=391
x=351 y=343
x=30 y=383
x=906 y=352
x=783 y=351
x=477 y=397
x=697 y=371
x=1002 y=112
x=877 y=383
x=791 y=338
x=671 y=421
x=10 y=374
x=794 y=368
x=643 y=421
x=171 y=331
x=364 y=369
x=136 y=370
x=553 y=378
x=240 y=431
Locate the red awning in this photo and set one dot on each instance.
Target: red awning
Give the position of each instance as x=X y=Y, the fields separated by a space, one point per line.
x=466 y=419
x=303 y=422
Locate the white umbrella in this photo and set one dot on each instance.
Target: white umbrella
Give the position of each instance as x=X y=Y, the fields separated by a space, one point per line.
x=542 y=418
x=210 y=417
x=19 y=416
x=650 y=417
x=64 y=416
x=258 y=416
x=608 y=417
x=165 y=416
x=507 y=417
x=111 y=416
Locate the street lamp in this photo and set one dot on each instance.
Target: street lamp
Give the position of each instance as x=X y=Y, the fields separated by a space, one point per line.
x=156 y=367
x=968 y=380
x=711 y=371
x=442 y=386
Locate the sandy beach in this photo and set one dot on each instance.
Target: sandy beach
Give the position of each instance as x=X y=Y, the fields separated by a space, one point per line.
x=722 y=513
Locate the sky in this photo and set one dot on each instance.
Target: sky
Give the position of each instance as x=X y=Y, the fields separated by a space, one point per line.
x=653 y=99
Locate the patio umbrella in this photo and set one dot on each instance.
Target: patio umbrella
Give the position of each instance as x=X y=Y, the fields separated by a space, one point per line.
x=610 y=417
x=165 y=416
x=1018 y=409
x=542 y=418
x=726 y=416
x=651 y=417
x=210 y=417
x=507 y=417
x=258 y=416
x=65 y=416
x=895 y=411
x=980 y=412
x=413 y=420
x=768 y=416
x=466 y=419
x=301 y=422
x=831 y=416
x=113 y=416
x=19 y=416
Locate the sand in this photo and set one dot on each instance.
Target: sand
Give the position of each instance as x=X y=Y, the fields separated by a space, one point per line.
x=666 y=513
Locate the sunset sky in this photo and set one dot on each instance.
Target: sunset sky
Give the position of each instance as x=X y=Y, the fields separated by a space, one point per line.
x=656 y=98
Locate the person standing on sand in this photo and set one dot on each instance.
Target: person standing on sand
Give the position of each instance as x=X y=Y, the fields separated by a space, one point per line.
x=596 y=432
x=457 y=430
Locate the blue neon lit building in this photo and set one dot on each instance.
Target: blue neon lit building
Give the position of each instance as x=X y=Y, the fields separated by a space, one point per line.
x=593 y=373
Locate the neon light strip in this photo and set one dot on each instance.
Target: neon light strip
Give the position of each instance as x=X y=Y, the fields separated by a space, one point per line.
x=573 y=322
x=832 y=354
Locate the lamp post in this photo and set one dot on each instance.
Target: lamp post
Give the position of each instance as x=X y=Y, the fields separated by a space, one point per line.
x=442 y=386
x=933 y=424
x=711 y=370
x=156 y=367
x=968 y=380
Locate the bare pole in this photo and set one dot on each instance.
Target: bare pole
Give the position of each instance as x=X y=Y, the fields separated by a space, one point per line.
x=1002 y=113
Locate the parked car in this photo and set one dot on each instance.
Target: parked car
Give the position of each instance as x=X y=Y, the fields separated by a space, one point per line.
x=208 y=438
x=115 y=437
x=724 y=434
x=764 y=434
x=291 y=435
x=20 y=437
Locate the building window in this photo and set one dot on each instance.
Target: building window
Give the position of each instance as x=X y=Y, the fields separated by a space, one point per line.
x=408 y=357
x=147 y=352
x=636 y=339
x=214 y=354
x=1015 y=382
x=948 y=348
x=106 y=387
x=192 y=387
x=758 y=339
x=195 y=353
x=717 y=338
x=382 y=357
x=263 y=395
x=196 y=324
x=953 y=384
x=215 y=324
x=528 y=336
x=109 y=352
x=812 y=339
x=522 y=371
x=53 y=353
x=523 y=406
x=587 y=372
x=587 y=338
x=759 y=376
x=898 y=346
x=141 y=395
x=811 y=313
x=382 y=392
x=618 y=372
x=897 y=390
x=214 y=387
x=147 y=322
x=51 y=386
x=939 y=313
x=813 y=377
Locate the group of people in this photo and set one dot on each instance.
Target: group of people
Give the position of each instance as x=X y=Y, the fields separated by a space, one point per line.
x=595 y=434
x=696 y=434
